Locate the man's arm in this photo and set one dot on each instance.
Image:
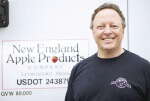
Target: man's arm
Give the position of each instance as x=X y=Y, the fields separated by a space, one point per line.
x=69 y=94
x=148 y=83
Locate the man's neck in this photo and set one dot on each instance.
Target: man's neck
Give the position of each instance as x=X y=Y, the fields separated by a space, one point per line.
x=110 y=53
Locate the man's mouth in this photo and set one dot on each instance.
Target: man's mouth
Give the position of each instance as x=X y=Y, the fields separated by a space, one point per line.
x=108 y=38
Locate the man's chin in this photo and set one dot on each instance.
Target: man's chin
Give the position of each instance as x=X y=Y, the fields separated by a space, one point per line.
x=107 y=48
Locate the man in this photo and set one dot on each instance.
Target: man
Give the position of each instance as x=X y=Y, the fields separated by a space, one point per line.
x=113 y=73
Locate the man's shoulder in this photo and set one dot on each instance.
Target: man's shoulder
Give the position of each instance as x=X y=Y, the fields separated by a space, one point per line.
x=138 y=61
x=83 y=64
x=137 y=58
x=87 y=60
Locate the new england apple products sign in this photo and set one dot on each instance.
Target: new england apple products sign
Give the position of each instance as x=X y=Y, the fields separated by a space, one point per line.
x=40 y=64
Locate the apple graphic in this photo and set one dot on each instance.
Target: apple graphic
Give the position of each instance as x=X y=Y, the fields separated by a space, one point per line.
x=54 y=59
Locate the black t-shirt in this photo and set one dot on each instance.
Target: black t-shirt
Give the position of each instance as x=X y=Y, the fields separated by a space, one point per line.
x=123 y=78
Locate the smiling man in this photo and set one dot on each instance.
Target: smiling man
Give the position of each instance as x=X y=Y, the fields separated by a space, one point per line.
x=108 y=28
x=113 y=73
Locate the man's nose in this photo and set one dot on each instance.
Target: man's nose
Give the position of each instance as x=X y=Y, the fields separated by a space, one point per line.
x=107 y=30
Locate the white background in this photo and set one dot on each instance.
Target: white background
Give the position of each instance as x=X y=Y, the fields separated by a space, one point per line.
x=139 y=26
x=69 y=19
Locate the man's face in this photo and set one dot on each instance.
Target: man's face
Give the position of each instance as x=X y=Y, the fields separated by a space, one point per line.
x=108 y=30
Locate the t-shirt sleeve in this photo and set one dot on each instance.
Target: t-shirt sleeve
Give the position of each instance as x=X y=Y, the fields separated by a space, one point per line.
x=148 y=82
x=69 y=94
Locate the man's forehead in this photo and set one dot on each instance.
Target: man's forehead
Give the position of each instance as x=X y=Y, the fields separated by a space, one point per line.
x=107 y=12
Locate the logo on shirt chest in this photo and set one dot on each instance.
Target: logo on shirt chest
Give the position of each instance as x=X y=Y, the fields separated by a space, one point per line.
x=121 y=83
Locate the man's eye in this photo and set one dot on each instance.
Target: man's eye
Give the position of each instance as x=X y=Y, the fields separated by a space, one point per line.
x=100 y=27
x=114 y=26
